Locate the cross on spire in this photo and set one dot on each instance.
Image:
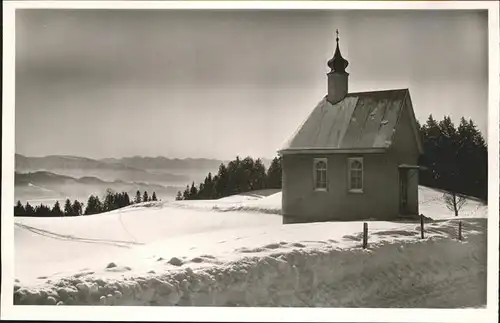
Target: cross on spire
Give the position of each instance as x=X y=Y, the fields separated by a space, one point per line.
x=338 y=63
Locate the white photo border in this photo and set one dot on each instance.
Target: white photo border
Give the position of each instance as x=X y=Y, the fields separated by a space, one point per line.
x=135 y=313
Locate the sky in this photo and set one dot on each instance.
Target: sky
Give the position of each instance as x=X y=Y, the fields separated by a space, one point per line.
x=216 y=84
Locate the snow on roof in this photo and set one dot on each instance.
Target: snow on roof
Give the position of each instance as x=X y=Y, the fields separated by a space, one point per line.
x=364 y=120
x=410 y=166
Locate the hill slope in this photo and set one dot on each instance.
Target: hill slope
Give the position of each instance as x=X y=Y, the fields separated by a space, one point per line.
x=175 y=253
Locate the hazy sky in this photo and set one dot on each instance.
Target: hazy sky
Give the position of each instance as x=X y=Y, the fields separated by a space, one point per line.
x=217 y=84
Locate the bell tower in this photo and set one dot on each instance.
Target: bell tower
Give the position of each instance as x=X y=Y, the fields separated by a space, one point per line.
x=337 y=77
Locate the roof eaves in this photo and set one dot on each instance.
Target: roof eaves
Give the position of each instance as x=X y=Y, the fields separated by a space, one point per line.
x=296 y=151
x=377 y=91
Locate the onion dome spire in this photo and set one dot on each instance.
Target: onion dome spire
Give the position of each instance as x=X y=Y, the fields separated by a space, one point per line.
x=338 y=63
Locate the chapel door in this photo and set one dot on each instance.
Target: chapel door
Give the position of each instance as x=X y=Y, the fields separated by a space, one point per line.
x=403 y=191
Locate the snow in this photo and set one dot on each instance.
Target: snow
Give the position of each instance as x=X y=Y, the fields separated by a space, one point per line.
x=262 y=203
x=231 y=252
x=431 y=204
x=72 y=243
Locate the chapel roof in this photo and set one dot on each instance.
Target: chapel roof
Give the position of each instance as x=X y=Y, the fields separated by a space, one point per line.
x=361 y=121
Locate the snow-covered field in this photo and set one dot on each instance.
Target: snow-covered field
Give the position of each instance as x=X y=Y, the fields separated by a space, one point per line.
x=236 y=252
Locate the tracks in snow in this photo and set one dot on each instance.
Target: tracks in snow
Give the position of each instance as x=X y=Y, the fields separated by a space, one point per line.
x=67 y=237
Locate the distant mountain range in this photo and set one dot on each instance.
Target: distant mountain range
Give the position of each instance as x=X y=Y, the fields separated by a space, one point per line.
x=59 y=176
x=127 y=169
x=135 y=164
x=164 y=163
x=46 y=185
x=62 y=162
x=160 y=162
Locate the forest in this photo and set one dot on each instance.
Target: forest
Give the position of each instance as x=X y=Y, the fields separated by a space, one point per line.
x=111 y=201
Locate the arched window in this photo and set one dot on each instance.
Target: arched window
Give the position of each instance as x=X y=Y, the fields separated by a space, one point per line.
x=320 y=174
x=355 y=166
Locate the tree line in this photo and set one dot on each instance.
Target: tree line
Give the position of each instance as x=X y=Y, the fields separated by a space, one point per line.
x=238 y=176
x=111 y=201
x=455 y=159
x=70 y=209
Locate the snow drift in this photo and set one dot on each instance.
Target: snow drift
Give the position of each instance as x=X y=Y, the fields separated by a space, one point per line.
x=413 y=274
x=235 y=252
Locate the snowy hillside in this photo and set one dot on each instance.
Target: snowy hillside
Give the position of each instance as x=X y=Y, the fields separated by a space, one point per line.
x=235 y=251
x=431 y=204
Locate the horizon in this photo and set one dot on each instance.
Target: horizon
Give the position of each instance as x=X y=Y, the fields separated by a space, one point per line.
x=221 y=84
x=141 y=156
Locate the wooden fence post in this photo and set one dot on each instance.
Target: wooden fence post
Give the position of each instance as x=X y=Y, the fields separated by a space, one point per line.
x=365 y=235
x=460 y=230
x=421 y=226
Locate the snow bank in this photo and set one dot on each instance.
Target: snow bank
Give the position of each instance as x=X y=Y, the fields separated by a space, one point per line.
x=398 y=270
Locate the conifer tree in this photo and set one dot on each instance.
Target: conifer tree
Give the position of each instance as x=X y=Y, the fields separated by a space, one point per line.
x=258 y=175
x=208 y=187
x=44 y=211
x=430 y=133
x=145 y=197
x=274 y=173
x=193 y=192
x=56 y=210
x=245 y=174
x=235 y=177
x=118 y=199
x=126 y=199
x=98 y=205
x=30 y=211
x=185 y=195
x=94 y=205
x=137 y=197
x=449 y=147
x=200 y=192
x=19 y=209
x=110 y=201
x=221 y=186
x=77 y=208
x=153 y=198
x=68 y=208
